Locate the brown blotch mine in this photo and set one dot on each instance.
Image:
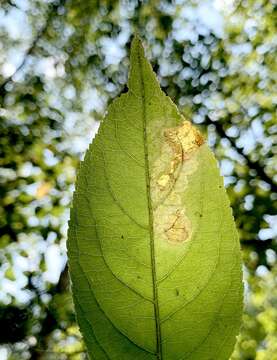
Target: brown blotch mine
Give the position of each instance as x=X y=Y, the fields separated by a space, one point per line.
x=184 y=140
x=177 y=232
x=171 y=172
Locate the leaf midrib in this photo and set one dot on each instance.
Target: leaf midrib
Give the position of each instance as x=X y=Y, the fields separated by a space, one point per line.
x=150 y=213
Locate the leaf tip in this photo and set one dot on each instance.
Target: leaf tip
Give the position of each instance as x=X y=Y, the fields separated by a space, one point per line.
x=136 y=56
x=136 y=44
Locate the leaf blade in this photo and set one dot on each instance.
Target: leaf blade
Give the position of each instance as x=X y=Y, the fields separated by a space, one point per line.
x=137 y=229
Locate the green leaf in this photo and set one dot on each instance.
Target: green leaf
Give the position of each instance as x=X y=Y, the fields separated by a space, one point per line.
x=153 y=250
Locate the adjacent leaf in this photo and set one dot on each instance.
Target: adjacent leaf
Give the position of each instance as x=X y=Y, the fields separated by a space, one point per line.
x=153 y=250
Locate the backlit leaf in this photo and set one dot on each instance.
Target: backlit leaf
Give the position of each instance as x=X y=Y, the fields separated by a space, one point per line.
x=153 y=250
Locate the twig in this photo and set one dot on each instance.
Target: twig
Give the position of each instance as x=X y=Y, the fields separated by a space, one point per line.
x=250 y=163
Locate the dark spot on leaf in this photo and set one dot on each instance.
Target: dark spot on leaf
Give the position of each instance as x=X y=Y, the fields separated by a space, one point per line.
x=177 y=292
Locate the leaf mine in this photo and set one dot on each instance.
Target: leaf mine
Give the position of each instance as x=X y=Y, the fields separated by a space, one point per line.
x=169 y=179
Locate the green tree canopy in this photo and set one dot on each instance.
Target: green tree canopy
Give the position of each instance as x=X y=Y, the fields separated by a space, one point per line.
x=61 y=63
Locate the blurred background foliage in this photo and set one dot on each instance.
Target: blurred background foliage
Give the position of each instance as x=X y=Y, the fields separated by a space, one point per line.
x=61 y=63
